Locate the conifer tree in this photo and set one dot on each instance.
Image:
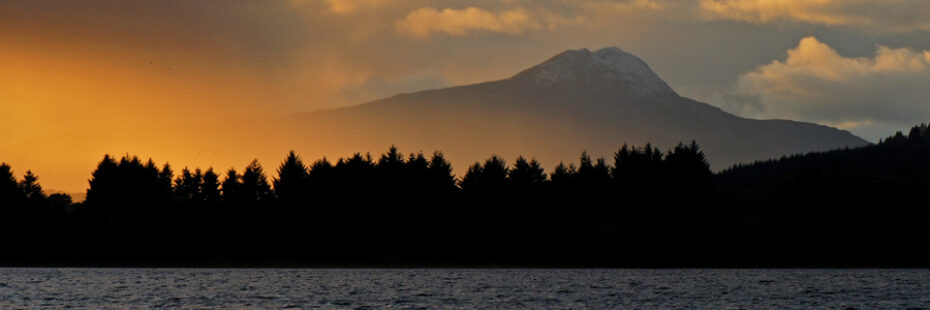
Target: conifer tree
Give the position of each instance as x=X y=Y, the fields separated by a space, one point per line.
x=103 y=183
x=526 y=175
x=321 y=176
x=255 y=187
x=563 y=177
x=165 y=178
x=471 y=181
x=210 y=188
x=493 y=177
x=30 y=186
x=231 y=187
x=32 y=191
x=292 y=180
x=10 y=193
x=188 y=187
x=440 y=173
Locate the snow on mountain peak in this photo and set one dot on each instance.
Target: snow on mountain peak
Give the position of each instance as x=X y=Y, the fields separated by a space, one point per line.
x=607 y=64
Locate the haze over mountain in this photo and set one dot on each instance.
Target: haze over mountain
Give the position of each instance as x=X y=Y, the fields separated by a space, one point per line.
x=577 y=100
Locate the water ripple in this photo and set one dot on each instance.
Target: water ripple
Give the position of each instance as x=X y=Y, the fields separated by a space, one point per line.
x=54 y=288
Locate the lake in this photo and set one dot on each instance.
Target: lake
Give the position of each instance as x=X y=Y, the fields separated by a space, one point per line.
x=120 y=288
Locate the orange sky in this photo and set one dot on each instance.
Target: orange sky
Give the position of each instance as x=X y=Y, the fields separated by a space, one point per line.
x=193 y=82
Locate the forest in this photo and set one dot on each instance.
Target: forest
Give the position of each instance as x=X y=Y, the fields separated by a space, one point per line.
x=645 y=207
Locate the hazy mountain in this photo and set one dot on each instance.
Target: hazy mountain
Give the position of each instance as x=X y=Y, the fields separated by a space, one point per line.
x=577 y=100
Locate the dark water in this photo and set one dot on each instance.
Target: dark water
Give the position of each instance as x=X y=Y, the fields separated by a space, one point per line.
x=46 y=288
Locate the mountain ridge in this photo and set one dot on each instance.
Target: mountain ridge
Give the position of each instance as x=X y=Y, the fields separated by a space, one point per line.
x=610 y=63
x=576 y=100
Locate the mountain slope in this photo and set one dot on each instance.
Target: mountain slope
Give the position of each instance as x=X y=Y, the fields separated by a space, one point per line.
x=577 y=100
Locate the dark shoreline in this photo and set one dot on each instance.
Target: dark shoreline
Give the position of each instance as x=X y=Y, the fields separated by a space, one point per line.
x=851 y=208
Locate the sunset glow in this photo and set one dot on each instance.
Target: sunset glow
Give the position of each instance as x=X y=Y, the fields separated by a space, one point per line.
x=207 y=83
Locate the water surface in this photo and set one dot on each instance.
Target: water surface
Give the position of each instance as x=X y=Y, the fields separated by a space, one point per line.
x=51 y=288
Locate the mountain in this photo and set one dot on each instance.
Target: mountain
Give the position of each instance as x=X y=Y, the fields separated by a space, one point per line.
x=577 y=100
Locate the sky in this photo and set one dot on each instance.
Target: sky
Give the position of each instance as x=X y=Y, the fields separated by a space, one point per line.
x=82 y=78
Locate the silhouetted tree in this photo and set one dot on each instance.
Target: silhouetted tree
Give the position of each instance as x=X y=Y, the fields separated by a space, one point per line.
x=232 y=187
x=593 y=177
x=210 y=188
x=391 y=172
x=638 y=170
x=255 y=187
x=36 y=201
x=391 y=163
x=415 y=178
x=10 y=193
x=129 y=189
x=689 y=170
x=850 y=206
x=165 y=179
x=487 y=179
x=470 y=182
x=526 y=176
x=918 y=135
x=292 y=180
x=417 y=167
x=563 y=177
x=59 y=201
x=440 y=173
x=187 y=188
x=103 y=183
x=321 y=179
x=355 y=176
x=31 y=188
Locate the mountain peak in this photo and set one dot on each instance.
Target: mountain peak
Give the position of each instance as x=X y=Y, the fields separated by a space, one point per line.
x=610 y=64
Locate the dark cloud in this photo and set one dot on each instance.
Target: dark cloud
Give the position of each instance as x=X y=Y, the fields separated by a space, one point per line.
x=886 y=15
x=252 y=32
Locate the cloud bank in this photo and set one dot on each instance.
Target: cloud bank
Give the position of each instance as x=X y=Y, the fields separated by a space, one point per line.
x=894 y=15
x=425 y=21
x=349 y=6
x=816 y=83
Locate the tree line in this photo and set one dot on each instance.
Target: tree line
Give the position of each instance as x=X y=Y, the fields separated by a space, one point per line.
x=643 y=207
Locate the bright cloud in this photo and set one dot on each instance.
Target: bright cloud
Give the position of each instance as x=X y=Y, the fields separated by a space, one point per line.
x=426 y=21
x=816 y=83
x=896 y=15
x=348 y=6
x=341 y=6
x=626 y=5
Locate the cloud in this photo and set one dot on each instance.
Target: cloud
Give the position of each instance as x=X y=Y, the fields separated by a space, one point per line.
x=894 y=15
x=425 y=21
x=626 y=5
x=517 y=17
x=348 y=6
x=342 y=6
x=816 y=83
